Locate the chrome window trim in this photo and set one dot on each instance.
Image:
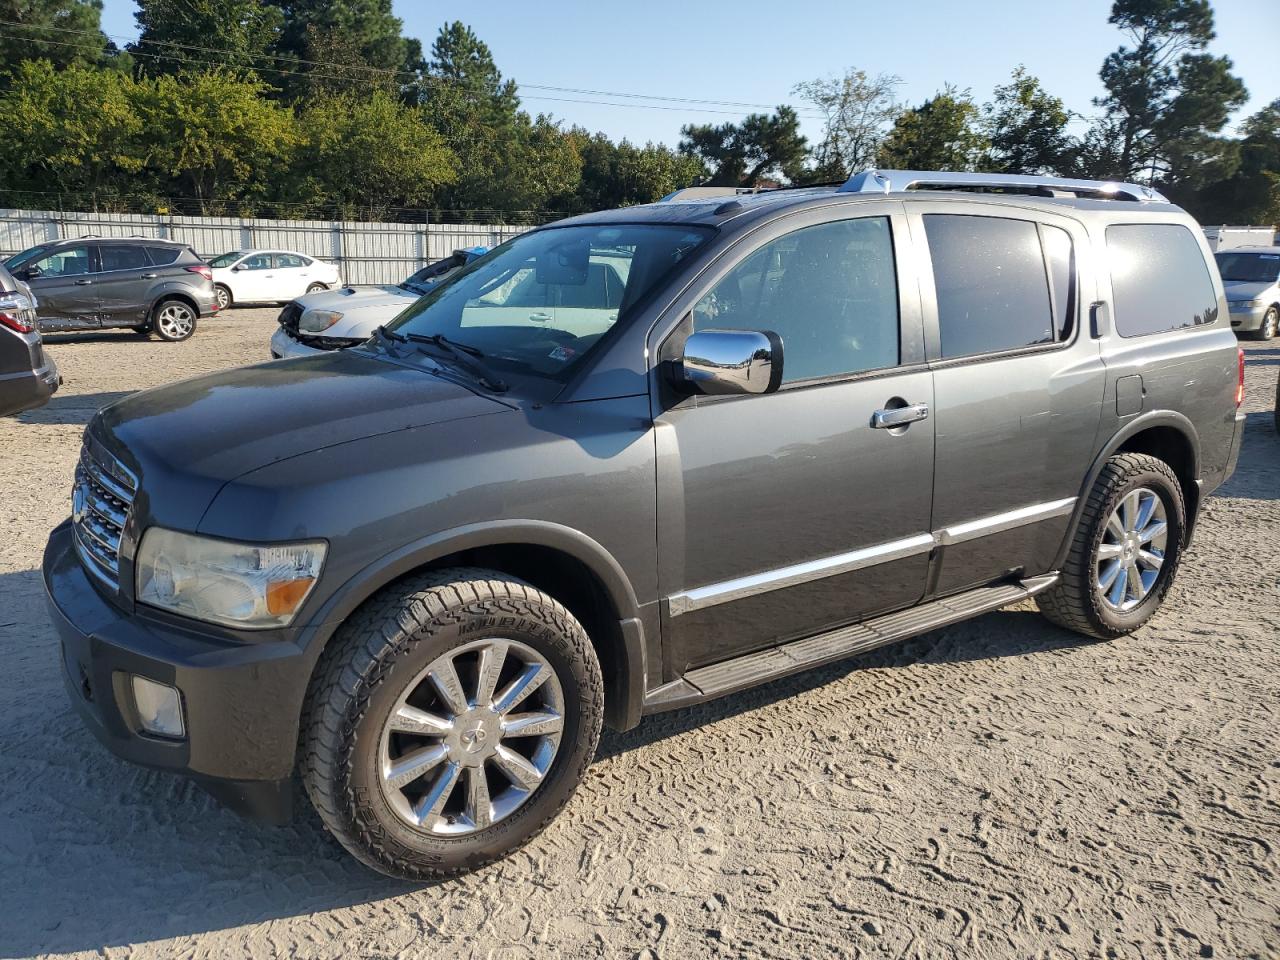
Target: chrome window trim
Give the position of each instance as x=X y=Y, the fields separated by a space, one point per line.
x=727 y=591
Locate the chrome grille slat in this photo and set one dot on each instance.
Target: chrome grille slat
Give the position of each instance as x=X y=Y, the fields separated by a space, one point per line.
x=102 y=498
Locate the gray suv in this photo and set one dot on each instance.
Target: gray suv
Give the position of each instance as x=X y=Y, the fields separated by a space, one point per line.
x=151 y=286
x=630 y=462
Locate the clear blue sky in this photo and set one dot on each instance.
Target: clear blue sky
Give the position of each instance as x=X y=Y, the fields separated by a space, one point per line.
x=755 y=50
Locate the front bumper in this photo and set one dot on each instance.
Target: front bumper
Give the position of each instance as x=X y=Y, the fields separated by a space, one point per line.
x=27 y=389
x=241 y=701
x=283 y=345
x=1246 y=319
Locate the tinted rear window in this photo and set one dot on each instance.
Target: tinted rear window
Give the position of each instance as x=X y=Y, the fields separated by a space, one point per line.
x=163 y=255
x=993 y=291
x=121 y=256
x=1159 y=279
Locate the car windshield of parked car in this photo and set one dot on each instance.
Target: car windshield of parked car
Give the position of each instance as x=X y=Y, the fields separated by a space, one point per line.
x=20 y=260
x=226 y=259
x=1249 y=267
x=424 y=279
x=539 y=304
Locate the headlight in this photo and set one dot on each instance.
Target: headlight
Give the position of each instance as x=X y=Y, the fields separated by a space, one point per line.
x=1244 y=304
x=236 y=584
x=315 y=321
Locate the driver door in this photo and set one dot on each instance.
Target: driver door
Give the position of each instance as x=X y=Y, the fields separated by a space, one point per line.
x=65 y=288
x=254 y=278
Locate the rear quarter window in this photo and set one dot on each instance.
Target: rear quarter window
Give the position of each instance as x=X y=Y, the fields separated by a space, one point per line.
x=1159 y=279
x=160 y=256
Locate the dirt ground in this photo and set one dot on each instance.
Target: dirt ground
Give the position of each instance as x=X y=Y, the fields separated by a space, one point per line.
x=998 y=788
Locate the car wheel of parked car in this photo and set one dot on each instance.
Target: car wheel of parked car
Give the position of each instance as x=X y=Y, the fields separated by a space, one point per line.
x=1125 y=551
x=222 y=295
x=1270 y=324
x=450 y=720
x=173 y=320
x=316 y=288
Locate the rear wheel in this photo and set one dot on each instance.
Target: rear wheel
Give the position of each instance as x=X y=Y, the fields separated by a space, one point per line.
x=173 y=320
x=450 y=721
x=1125 y=552
x=316 y=288
x=223 y=296
x=1270 y=324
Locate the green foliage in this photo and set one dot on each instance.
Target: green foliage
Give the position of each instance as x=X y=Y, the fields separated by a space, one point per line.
x=176 y=35
x=1252 y=193
x=858 y=109
x=63 y=32
x=1027 y=128
x=622 y=174
x=761 y=147
x=943 y=133
x=367 y=154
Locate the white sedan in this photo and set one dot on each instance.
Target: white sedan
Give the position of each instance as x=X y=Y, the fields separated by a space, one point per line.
x=268 y=276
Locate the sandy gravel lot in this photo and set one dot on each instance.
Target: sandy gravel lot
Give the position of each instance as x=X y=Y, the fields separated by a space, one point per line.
x=995 y=789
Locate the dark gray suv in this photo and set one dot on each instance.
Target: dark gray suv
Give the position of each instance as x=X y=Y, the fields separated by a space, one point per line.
x=151 y=286
x=632 y=461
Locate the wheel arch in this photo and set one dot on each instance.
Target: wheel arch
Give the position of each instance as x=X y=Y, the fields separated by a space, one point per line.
x=1164 y=434
x=560 y=561
x=172 y=295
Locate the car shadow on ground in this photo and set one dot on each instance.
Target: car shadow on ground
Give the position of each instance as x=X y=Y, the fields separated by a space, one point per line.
x=107 y=838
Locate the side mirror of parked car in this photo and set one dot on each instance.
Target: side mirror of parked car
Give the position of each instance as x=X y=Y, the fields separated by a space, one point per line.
x=31 y=273
x=237 y=268
x=719 y=362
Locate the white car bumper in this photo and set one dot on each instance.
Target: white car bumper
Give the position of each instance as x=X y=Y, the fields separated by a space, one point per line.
x=283 y=345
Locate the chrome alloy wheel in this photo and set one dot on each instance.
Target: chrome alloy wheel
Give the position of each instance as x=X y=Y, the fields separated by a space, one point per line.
x=472 y=737
x=175 y=320
x=1132 y=551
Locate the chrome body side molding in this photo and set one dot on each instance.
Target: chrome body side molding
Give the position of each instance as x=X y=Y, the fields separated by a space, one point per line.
x=727 y=591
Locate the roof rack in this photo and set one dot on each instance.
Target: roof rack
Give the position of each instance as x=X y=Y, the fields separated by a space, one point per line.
x=890 y=181
x=702 y=193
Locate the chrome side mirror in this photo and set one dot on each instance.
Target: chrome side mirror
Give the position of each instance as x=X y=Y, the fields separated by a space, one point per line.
x=717 y=362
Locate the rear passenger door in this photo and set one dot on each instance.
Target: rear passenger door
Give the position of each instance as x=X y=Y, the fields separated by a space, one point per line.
x=783 y=514
x=293 y=274
x=124 y=279
x=1018 y=384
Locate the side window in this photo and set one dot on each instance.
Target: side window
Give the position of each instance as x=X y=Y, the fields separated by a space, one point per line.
x=289 y=261
x=63 y=262
x=829 y=291
x=1061 y=257
x=122 y=256
x=259 y=261
x=989 y=274
x=1159 y=280
x=161 y=256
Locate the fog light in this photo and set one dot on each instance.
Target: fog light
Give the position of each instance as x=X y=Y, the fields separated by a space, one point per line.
x=159 y=707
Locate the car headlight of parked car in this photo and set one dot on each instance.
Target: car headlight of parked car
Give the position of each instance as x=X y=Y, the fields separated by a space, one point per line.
x=315 y=321
x=235 y=584
x=1244 y=304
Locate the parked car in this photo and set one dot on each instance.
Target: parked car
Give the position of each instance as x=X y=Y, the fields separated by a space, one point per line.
x=151 y=286
x=342 y=318
x=798 y=425
x=1251 y=276
x=269 y=276
x=28 y=376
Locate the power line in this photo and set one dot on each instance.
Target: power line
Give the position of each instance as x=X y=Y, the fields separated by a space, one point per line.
x=413 y=77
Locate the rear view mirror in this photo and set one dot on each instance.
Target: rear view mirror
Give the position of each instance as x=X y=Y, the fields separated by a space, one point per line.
x=565 y=264
x=717 y=362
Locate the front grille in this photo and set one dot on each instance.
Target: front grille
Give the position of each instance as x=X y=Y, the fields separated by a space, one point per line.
x=331 y=343
x=100 y=503
x=290 y=316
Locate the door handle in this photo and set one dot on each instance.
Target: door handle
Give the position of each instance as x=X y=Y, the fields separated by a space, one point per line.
x=148 y=276
x=540 y=317
x=892 y=417
x=83 y=283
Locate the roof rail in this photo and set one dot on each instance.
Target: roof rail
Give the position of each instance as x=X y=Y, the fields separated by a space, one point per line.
x=702 y=193
x=890 y=181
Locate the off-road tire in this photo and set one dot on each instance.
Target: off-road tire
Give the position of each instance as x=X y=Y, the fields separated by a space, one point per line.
x=1073 y=602
x=370 y=662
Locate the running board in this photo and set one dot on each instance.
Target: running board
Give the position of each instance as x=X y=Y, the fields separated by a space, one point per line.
x=746 y=671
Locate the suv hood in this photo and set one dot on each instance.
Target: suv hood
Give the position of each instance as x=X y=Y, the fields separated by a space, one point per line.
x=215 y=428
x=1244 y=289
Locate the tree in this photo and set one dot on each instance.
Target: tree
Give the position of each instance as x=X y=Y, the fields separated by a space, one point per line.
x=1252 y=193
x=214 y=137
x=1027 y=128
x=1165 y=96
x=858 y=109
x=762 y=146
x=367 y=154
x=177 y=35
x=942 y=133
x=64 y=32
x=342 y=44
x=622 y=174
x=74 y=128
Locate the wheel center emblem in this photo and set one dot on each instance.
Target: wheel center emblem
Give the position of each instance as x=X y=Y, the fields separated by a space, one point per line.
x=473 y=739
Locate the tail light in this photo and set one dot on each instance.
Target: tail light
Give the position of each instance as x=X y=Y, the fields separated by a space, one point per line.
x=1240 y=380
x=203 y=269
x=17 y=315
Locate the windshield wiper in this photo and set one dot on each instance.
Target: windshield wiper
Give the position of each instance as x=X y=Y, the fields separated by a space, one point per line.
x=463 y=355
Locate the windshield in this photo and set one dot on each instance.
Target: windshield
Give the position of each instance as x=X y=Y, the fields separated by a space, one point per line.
x=435 y=272
x=1249 y=267
x=540 y=303
x=226 y=259
x=19 y=260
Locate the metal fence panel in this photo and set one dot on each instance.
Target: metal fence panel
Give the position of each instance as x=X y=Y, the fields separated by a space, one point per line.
x=366 y=253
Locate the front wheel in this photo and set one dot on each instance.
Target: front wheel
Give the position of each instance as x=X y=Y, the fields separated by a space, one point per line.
x=1270 y=324
x=450 y=721
x=1125 y=551
x=174 y=320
